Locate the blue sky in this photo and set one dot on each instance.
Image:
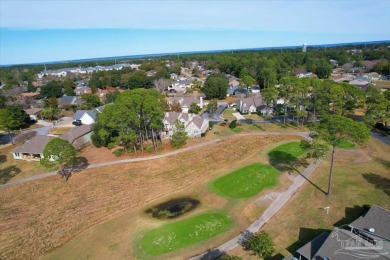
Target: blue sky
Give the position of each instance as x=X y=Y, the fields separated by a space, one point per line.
x=51 y=30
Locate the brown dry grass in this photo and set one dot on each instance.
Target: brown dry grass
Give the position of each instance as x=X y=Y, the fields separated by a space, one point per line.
x=60 y=130
x=22 y=169
x=41 y=215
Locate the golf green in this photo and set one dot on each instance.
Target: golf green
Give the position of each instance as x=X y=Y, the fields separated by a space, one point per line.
x=184 y=233
x=247 y=181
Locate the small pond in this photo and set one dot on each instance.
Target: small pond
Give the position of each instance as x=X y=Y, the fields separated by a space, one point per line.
x=173 y=208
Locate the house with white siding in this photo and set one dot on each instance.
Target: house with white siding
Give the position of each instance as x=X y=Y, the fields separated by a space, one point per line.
x=194 y=125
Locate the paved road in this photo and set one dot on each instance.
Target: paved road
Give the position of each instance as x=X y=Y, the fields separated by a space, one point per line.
x=381 y=137
x=216 y=117
x=91 y=166
x=274 y=207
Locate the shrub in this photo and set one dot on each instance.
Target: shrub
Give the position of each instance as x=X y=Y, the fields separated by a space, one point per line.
x=260 y=244
x=118 y=152
x=149 y=148
x=211 y=124
x=233 y=124
x=111 y=145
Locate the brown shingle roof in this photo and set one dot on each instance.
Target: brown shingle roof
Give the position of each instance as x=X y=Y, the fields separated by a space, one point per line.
x=34 y=146
x=76 y=132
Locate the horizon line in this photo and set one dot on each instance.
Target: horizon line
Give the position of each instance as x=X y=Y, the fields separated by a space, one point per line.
x=140 y=56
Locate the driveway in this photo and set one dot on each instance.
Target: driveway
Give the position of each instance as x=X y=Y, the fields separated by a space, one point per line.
x=381 y=137
x=238 y=116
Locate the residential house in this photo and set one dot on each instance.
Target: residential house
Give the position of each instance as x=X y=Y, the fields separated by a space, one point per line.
x=182 y=83
x=254 y=89
x=32 y=150
x=253 y=105
x=80 y=90
x=373 y=76
x=185 y=102
x=68 y=101
x=194 y=125
x=34 y=113
x=233 y=82
x=231 y=91
x=344 y=78
x=87 y=117
x=101 y=108
x=78 y=136
x=368 y=237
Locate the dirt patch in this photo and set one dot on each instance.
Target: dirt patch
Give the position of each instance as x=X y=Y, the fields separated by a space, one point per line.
x=361 y=155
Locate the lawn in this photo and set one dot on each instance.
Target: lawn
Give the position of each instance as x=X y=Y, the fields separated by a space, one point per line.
x=247 y=181
x=228 y=114
x=286 y=152
x=346 y=145
x=60 y=130
x=184 y=233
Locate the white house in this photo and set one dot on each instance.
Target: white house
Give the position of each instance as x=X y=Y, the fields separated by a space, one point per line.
x=34 y=113
x=87 y=117
x=253 y=105
x=32 y=150
x=185 y=102
x=194 y=125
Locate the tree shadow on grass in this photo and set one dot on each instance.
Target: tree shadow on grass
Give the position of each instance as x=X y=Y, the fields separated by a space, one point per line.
x=283 y=161
x=8 y=173
x=79 y=164
x=383 y=162
x=3 y=158
x=352 y=214
x=286 y=161
x=380 y=182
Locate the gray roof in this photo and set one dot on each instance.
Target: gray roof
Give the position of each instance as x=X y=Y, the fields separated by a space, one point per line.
x=377 y=218
x=248 y=102
x=311 y=248
x=333 y=247
x=34 y=111
x=80 y=113
x=101 y=108
x=171 y=117
x=184 y=101
x=67 y=100
x=35 y=146
x=338 y=244
x=76 y=132
x=198 y=121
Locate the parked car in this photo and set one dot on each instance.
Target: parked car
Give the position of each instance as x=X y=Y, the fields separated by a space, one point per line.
x=77 y=122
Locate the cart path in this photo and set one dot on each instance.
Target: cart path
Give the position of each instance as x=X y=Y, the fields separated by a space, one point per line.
x=141 y=159
x=273 y=208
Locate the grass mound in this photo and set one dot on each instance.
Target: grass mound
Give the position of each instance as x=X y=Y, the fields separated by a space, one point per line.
x=286 y=152
x=184 y=233
x=346 y=145
x=247 y=181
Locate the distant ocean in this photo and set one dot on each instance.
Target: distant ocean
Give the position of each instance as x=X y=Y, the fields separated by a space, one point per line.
x=200 y=52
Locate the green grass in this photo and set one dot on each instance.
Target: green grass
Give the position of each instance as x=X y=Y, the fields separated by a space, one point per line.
x=184 y=233
x=286 y=152
x=247 y=181
x=346 y=145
